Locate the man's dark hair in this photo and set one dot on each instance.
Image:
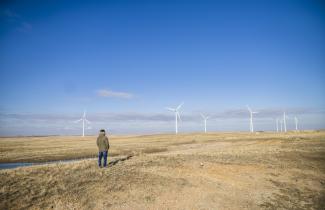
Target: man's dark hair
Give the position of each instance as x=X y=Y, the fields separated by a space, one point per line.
x=102 y=130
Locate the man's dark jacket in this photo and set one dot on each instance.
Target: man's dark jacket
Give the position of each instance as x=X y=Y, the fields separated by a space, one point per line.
x=102 y=142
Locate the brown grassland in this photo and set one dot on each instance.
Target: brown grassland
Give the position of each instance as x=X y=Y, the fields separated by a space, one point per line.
x=187 y=171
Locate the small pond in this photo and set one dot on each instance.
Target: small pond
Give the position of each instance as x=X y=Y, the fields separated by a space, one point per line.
x=21 y=164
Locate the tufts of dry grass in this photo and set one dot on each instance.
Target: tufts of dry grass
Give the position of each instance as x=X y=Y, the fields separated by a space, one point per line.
x=43 y=149
x=194 y=171
x=153 y=150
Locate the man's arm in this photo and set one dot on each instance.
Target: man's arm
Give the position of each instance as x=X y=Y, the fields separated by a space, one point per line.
x=107 y=143
x=97 y=142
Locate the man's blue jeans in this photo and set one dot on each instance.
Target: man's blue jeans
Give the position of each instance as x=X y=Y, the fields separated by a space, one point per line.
x=100 y=156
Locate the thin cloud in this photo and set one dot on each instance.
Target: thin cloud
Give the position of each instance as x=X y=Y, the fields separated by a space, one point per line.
x=10 y=14
x=113 y=94
x=139 y=122
x=24 y=27
x=264 y=113
x=93 y=117
x=16 y=19
x=156 y=117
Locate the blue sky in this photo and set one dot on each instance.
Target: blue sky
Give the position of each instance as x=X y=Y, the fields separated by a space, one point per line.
x=133 y=58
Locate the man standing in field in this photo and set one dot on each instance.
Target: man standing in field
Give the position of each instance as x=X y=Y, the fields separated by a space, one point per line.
x=103 y=146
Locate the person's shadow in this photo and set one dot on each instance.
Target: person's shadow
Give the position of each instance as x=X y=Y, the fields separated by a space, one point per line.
x=114 y=162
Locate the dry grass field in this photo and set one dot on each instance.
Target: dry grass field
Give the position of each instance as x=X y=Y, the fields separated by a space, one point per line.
x=187 y=171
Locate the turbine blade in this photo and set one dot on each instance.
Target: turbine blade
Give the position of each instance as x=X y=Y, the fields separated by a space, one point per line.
x=87 y=121
x=202 y=116
x=170 y=109
x=77 y=121
x=249 y=109
x=179 y=106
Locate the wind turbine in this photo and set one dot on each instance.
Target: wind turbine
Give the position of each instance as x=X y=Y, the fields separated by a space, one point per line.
x=251 y=126
x=177 y=116
x=205 y=118
x=84 y=121
x=281 y=122
x=296 y=122
x=284 y=122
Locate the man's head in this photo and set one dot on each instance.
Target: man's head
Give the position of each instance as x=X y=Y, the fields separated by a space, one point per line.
x=102 y=131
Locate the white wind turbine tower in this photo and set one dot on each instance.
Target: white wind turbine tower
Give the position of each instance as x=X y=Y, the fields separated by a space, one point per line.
x=251 y=126
x=205 y=118
x=281 y=122
x=296 y=122
x=177 y=116
x=284 y=122
x=84 y=121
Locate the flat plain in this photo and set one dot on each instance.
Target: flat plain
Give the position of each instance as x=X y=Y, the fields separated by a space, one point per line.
x=188 y=171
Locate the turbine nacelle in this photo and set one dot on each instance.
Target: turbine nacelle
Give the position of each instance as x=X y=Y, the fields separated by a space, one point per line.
x=250 y=110
x=204 y=117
